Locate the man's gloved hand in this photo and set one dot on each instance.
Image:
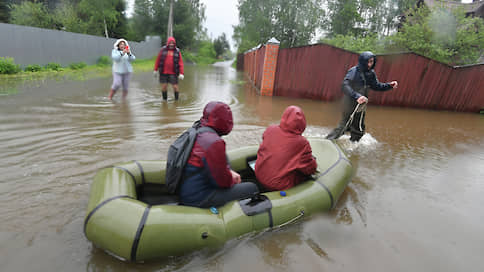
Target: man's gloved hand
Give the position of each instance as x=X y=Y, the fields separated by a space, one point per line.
x=155 y=73
x=181 y=77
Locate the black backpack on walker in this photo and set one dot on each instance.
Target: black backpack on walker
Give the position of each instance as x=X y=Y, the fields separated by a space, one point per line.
x=178 y=154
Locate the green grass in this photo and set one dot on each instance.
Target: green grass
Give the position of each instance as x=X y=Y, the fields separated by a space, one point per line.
x=9 y=91
x=237 y=82
x=78 y=71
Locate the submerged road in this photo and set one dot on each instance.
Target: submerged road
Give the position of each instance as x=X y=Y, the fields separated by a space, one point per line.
x=415 y=203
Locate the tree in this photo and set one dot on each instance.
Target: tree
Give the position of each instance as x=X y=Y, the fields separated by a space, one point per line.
x=255 y=24
x=343 y=18
x=4 y=11
x=142 y=21
x=102 y=17
x=362 y=17
x=151 y=18
x=446 y=36
x=291 y=22
x=68 y=17
x=120 y=29
x=31 y=14
x=221 y=45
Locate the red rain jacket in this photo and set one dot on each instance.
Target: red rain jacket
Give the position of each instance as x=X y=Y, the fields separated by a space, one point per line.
x=207 y=168
x=284 y=158
x=167 y=56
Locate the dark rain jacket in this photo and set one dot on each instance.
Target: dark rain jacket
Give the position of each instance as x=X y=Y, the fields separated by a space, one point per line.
x=284 y=158
x=207 y=168
x=359 y=79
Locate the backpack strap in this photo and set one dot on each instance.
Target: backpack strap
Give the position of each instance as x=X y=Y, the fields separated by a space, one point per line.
x=197 y=131
x=206 y=129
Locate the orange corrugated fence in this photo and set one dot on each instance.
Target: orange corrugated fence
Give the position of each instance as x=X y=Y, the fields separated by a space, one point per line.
x=316 y=72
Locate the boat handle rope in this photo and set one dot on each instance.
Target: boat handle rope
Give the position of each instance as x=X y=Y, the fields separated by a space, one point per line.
x=301 y=214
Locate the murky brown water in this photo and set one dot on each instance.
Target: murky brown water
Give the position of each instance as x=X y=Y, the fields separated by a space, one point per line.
x=415 y=204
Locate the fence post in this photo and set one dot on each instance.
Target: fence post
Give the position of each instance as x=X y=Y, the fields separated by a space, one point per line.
x=269 y=68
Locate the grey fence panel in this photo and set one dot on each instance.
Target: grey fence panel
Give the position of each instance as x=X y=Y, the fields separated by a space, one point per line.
x=31 y=45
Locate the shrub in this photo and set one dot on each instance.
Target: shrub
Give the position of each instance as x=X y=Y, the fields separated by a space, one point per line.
x=33 y=68
x=188 y=57
x=53 y=66
x=77 y=65
x=103 y=61
x=8 y=66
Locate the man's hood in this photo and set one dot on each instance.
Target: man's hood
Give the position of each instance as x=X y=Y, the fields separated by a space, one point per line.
x=363 y=60
x=293 y=120
x=170 y=39
x=218 y=116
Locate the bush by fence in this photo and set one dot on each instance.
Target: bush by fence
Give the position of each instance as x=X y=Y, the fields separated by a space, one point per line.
x=8 y=66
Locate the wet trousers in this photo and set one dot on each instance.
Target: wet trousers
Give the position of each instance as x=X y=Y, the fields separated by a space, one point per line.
x=238 y=191
x=121 y=80
x=355 y=126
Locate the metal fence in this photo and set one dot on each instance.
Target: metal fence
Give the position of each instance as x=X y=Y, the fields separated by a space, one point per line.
x=316 y=72
x=31 y=45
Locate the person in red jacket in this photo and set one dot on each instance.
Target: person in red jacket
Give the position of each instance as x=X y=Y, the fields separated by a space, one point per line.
x=169 y=65
x=284 y=158
x=207 y=178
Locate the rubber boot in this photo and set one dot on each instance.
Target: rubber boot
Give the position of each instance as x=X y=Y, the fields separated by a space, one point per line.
x=111 y=93
x=176 y=95
x=165 y=95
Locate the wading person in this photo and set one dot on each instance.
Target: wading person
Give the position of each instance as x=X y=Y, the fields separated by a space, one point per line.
x=356 y=84
x=207 y=179
x=122 y=68
x=169 y=65
x=284 y=158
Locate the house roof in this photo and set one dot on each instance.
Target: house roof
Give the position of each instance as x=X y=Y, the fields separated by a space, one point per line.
x=468 y=7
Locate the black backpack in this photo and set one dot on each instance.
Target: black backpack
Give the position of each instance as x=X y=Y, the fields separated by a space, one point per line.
x=178 y=154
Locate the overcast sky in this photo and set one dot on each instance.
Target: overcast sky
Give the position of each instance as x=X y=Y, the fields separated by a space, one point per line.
x=220 y=16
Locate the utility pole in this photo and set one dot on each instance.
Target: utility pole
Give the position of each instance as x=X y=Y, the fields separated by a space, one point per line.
x=105 y=28
x=169 y=31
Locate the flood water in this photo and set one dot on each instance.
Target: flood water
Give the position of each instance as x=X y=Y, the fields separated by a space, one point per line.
x=415 y=204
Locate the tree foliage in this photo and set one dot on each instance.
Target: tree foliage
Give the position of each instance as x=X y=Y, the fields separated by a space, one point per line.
x=100 y=16
x=151 y=18
x=142 y=22
x=362 y=17
x=443 y=35
x=358 y=44
x=292 y=22
x=4 y=11
x=221 y=45
x=82 y=16
x=438 y=33
x=31 y=14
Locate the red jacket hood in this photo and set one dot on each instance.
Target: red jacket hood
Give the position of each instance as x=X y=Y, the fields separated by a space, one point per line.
x=293 y=120
x=170 y=39
x=218 y=116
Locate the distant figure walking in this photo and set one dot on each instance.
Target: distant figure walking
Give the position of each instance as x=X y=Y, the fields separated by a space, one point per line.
x=356 y=84
x=169 y=64
x=122 y=68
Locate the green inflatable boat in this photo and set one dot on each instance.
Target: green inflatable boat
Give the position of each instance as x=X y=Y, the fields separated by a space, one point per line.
x=131 y=216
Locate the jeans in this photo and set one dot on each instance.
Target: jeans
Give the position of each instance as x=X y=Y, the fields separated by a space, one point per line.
x=221 y=196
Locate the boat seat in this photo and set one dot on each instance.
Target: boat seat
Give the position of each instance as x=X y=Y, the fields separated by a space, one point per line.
x=156 y=194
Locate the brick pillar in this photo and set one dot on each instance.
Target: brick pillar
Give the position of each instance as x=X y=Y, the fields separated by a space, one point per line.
x=270 y=64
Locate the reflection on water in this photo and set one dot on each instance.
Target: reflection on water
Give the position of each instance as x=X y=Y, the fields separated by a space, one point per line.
x=415 y=202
